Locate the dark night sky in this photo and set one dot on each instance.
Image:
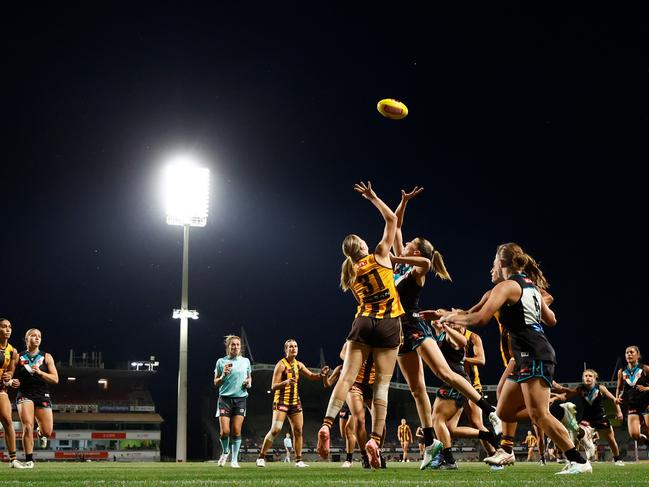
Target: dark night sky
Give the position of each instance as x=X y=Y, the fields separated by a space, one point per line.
x=523 y=126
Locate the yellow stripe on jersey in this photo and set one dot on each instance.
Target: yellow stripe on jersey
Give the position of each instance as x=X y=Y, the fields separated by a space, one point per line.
x=374 y=290
x=404 y=432
x=288 y=394
x=472 y=370
x=5 y=357
x=367 y=372
x=505 y=342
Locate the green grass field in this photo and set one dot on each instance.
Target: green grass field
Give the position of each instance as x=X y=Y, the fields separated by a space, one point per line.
x=206 y=474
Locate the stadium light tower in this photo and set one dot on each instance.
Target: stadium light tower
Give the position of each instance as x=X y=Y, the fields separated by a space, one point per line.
x=186 y=188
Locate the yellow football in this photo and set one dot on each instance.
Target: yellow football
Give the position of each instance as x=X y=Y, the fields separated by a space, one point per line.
x=392 y=109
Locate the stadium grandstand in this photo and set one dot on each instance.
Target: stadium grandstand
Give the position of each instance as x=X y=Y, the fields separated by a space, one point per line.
x=100 y=413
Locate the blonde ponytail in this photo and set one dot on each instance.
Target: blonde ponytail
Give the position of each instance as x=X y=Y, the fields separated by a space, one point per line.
x=427 y=250
x=347 y=274
x=438 y=266
x=352 y=251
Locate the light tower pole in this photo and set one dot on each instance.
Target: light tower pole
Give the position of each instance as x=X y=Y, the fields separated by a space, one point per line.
x=187 y=195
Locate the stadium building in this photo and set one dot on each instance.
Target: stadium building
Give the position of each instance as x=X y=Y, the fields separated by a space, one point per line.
x=100 y=413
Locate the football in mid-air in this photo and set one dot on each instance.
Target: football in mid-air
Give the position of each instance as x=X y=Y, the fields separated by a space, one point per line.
x=392 y=109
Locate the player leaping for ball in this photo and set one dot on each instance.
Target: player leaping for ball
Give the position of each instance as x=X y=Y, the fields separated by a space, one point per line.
x=376 y=327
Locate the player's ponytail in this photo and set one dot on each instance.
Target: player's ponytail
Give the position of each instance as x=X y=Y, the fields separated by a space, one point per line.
x=437 y=264
x=427 y=250
x=351 y=250
x=517 y=260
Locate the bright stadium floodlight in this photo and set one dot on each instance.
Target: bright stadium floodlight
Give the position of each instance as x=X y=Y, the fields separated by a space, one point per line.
x=187 y=193
x=186 y=189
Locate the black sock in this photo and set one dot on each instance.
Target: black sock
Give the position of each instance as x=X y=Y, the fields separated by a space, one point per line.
x=574 y=456
x=349 y=457
x=616 y=458
x=428 y=436
x=485 y=406
x=448 y=455
x=489 y=437
x=29 y=457
x=507 y=443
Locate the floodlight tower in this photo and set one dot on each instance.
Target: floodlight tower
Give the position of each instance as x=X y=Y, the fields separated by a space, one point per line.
x=187 y=200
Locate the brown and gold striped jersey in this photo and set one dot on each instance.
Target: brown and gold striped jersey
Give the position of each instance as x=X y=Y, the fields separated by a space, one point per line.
x=471 y=369
x=375 y=291
x=505 y=342
x=288 y=395
x=367 y=372
x=404 y=433
x=5 y=357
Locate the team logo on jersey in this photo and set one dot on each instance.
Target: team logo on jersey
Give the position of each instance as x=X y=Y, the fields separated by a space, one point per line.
x=591 y=395
x=416 y=336
x=631 y=377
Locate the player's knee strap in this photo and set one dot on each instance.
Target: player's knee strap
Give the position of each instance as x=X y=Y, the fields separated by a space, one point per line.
x=334 y=407
x=381 y=386
x=276 y=425
x=270 y=437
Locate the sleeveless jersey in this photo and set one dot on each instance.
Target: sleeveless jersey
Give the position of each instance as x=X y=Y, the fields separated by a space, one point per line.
x=409 y=291
x=5 y=357
x=632 y=378
x=454 y=358
x=404 y=433
x=367 y=372
x=523 y=321
x=375 y=291
x=471 y=370
x=288 y=394
x=591 y=402
x=30 y=383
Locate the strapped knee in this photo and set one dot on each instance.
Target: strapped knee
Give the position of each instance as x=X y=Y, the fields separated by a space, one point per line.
x=381 y=387
x=276 y=426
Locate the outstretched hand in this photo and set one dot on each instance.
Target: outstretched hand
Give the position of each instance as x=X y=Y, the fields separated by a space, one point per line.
x=365 y=189
x=430 y=315
x=408 y=196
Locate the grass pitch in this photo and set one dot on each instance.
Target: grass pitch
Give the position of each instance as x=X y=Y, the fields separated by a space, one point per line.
x=318 y=474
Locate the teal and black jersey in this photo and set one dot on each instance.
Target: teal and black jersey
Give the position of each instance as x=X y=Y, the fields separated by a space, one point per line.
x=409 y=292
x=523 y=321
x=30 y=383
x=592 y=402
x=232 y=385
x=633 y=397
x=454 y=356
